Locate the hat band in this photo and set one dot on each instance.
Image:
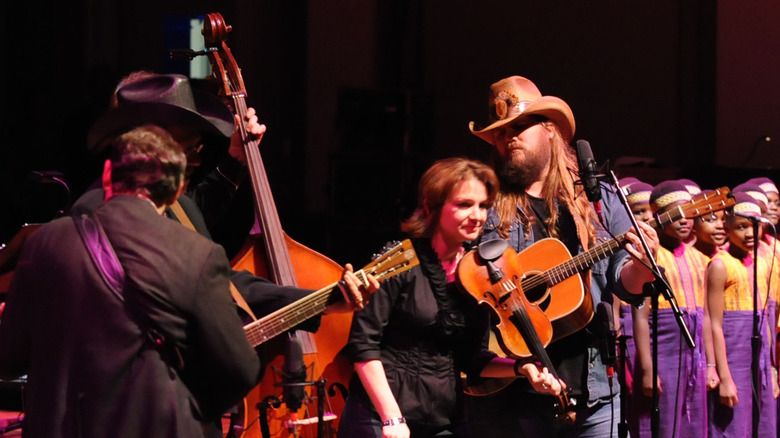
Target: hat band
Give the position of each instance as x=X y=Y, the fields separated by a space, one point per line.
x=668 y=198
x=768 y=187
x=747 y=207
x=639 y=197
x=505 y=108
x=693 y=190
x=758 y=196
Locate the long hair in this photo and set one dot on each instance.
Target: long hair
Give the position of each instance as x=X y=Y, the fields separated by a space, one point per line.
x=435 y=187
x=559 y=189
x=147 y=161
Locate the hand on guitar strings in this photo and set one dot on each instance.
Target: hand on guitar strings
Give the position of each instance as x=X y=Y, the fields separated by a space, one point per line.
x=356 y=293
x=542 y=381
x=254 y=131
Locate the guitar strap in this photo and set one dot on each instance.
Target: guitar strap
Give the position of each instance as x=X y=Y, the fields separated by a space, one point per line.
x=582 y=233
x=181 y=215
x=239 y=299
x=101 y=252
x=178 y=211
x=107 y=263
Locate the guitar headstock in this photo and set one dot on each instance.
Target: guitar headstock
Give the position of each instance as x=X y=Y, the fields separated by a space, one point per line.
x=395 y=259
x=705 y=202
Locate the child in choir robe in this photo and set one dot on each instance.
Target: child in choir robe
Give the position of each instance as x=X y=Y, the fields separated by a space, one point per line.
x=773 y=199
x=770 y=237
x=730 y=285
x=682 y=372
x=638 y=197
x=710 y=230
x=694 y=190
x=770 y=251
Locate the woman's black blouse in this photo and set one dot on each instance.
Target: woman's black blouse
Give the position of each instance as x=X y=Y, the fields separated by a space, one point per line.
x=425 y=332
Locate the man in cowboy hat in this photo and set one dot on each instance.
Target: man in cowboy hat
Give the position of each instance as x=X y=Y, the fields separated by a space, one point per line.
x=168 y=101
x=539 y=199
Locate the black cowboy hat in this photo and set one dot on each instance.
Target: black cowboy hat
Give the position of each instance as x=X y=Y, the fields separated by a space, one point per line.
x=162 y=100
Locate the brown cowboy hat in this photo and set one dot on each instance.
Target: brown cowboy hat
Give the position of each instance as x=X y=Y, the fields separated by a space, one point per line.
x=164 y=100
x=515 y=97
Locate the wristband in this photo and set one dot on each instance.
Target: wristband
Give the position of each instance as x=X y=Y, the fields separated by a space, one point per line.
x=710 y=365
x=394 y=421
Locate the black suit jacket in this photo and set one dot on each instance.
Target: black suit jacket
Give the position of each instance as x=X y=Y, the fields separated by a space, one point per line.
x=262 y=295
x=91 y=370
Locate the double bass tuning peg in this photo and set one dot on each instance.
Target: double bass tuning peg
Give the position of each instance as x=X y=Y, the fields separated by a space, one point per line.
x=189 y=53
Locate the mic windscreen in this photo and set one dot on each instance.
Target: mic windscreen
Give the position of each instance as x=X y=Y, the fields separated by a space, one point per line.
x=293 y=371
x=608 y=332
x=605 y=315
x=588 y=171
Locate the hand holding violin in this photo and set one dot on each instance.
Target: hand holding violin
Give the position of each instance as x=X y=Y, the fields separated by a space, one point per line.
x=542 y=381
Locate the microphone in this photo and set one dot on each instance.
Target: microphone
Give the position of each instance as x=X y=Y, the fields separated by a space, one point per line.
x=608 y=332
x=588 y=171
x=47 y=176
x=293 y=374
x=752 y=218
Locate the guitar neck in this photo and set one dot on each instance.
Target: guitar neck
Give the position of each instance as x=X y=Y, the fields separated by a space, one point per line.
x=289 y=316
x=583 y=261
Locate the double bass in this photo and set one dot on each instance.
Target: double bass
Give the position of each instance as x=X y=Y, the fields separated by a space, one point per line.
x=276 y=256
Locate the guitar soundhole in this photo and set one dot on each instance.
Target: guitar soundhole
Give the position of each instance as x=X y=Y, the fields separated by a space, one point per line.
x=538 y=294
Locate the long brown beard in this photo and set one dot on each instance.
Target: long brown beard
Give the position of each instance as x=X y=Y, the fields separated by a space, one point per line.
x=516 y=177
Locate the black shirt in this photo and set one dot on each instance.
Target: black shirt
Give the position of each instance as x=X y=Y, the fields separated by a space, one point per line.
x=568 y=355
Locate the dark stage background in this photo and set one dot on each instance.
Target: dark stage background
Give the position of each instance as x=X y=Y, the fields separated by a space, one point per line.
x=360 y=96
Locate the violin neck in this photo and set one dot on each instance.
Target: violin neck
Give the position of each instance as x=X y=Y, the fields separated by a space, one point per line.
x=525 y=326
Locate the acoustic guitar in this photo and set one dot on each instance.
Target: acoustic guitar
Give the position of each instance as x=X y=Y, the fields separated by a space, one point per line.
x=548 y=281
x=395 y=259
x=399 y=258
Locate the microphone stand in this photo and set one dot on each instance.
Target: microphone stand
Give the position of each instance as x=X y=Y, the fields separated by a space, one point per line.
x=755 y=344
x=659 y=285
x=624 y=407
x=55 y=177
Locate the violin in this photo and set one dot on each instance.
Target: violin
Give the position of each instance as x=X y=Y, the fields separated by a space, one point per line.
x=492 y=275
